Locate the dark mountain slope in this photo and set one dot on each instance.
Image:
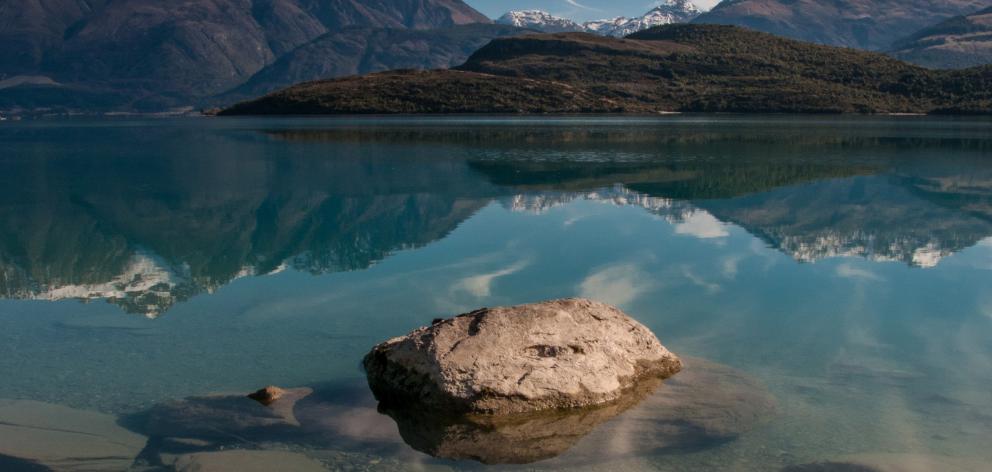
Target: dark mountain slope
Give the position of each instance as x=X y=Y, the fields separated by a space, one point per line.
x=670 y=68
x=962 y=41
x=865 y=24
x=362 y=50
x=170 y=53
x=30 y=28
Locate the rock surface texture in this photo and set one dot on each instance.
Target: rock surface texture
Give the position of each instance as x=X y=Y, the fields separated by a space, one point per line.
x=552 y=355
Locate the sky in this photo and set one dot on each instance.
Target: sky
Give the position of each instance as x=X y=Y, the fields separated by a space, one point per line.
x=579 y=10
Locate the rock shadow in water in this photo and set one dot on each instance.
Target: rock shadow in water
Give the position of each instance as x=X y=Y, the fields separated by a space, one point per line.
x=509 y=439
x=706 y=405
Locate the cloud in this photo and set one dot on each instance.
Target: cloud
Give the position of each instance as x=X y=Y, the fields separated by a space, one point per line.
x=688 y=273
x=702 y=225
x=579 y=5
x=616 y=285
x=730 y=266
x=848 y=271
x=481 y=285
x=571 y=221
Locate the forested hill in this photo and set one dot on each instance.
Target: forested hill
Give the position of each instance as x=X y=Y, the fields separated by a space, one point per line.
x=687 y=68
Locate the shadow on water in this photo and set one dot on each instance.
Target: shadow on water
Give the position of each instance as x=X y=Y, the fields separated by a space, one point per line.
x=704 y=406
x=13 y=464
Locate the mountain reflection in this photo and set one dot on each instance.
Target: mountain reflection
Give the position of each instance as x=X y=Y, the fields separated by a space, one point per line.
x=148 y=233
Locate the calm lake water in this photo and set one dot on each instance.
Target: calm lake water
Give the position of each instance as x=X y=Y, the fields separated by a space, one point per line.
x=836 y=272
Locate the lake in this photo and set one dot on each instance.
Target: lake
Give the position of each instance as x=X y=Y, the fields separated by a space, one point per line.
x=831 y=276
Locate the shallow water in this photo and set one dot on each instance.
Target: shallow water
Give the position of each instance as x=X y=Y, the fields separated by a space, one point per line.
x=841 y=263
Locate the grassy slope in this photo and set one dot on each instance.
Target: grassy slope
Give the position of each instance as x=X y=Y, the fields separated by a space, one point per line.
x=670 y=68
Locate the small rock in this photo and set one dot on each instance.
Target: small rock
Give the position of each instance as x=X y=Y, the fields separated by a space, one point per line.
x=267 y=395
x=546 y=356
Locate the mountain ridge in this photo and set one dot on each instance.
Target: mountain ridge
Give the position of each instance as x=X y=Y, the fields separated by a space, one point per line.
x=145 y=55
x=960 y=42
x=863 y=24
x=667 y=12
x=686 y=68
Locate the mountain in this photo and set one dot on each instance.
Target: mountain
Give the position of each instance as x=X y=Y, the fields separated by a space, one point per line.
x=355 y=51
x=864 y=24
x=30 y=28
x=146 y=54
x=668 y=12
x=708 y=68
x=962 y=41
x=539 y=20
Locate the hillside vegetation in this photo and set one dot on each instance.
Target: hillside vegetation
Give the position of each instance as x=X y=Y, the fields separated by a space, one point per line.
x=687 y=68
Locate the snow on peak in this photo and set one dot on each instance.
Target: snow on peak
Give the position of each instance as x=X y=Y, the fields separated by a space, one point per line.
x=665 y=12
x=539 y=20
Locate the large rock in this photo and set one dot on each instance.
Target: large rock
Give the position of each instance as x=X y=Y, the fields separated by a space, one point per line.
x=552 y=355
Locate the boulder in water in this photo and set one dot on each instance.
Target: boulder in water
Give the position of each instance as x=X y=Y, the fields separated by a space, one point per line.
x=546 y=356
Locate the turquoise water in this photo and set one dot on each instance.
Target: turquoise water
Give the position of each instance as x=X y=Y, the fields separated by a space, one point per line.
x=842 y=264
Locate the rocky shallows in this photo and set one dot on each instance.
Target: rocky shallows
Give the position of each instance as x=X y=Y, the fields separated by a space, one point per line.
x=547 y=356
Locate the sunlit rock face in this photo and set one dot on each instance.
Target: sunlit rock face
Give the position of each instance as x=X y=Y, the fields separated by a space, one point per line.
x=553 y=355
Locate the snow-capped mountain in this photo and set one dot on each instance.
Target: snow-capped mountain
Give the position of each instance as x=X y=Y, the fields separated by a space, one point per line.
x=667 y=12
x=540 y=20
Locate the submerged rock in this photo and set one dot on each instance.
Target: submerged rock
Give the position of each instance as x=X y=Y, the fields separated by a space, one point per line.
x=552 y=355
x=888 y=462
x=246 y=461
x=39 y=436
